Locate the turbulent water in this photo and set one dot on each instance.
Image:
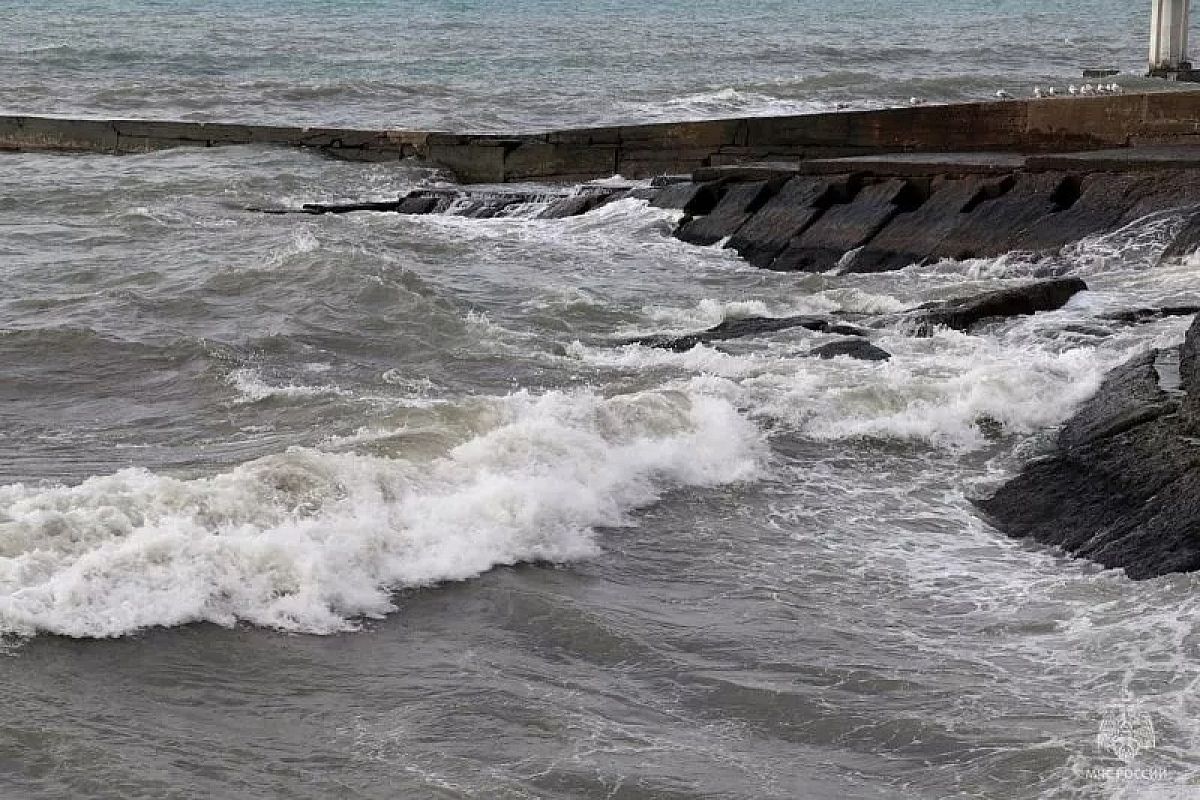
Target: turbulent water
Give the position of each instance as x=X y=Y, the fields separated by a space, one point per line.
x=378 y=506
x=508 y=64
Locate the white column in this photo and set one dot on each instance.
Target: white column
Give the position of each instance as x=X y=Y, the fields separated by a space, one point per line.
x=1169 y=35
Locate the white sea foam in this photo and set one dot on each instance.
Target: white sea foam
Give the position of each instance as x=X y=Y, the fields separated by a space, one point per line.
x=945 y=391
x=310 y=540
x=252 y=388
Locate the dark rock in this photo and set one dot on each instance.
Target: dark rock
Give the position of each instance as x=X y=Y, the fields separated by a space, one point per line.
x=417 y=205
x=911 y=237
x=1093 y=205
x=575 y=205
x=750 y=326
x=1047 y=295
x=740 y=201
x=659 y=181
x=1137 y=316
x=990 y=228
x=349 y=208
x=692 y=199
x=797 y=204
x=1163 y=191
x=1122 y=486
x=854 y=348
x=847 y=226
x=1186 y=242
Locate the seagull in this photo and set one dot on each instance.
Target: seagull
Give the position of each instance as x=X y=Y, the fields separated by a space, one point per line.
x=1072 y=90
x=1116 y=88
x=916 y=101
x=1003 y=95
x=1038 y=93
x=1088 y=89
x=1052 y=91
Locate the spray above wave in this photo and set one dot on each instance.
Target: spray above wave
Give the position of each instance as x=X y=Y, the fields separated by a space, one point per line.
x=308 y=541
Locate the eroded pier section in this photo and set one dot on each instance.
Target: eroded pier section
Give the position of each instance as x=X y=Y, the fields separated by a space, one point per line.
x=640 y=151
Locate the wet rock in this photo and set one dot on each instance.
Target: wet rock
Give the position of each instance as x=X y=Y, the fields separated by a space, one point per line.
x=738 y=204
x=417 y=205
x=1164 y=190
x=858 y=348
x=692 y=199
x=1086 y=207
x=576 y=204
x=1122 y=485
x=1186 y=242
x=1047 y=295
x=911 y=237
x=750 y=326
x=349 y=208
x=1136 y=316
x=786 y=215
x=847 y=226
x=991 y=228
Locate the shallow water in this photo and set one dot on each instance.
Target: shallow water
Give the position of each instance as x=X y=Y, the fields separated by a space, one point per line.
x=378 y=506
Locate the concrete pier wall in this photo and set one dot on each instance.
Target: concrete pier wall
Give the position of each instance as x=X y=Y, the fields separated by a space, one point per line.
x=638 y=151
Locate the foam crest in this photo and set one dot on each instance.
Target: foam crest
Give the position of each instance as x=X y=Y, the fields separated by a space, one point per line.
x=252 y=388
x=311 y=541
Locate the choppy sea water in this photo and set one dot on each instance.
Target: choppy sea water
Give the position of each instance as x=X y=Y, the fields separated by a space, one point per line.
x=501 y=65
x=377 y=506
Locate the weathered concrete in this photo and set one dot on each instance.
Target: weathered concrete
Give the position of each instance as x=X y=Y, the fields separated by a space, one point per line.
x=912 y=237
x=847 y=226
x=786 y=215
x=638 y=151
x=736 y=206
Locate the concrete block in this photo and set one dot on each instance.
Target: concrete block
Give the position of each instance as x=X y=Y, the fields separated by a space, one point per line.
x=693 y=199
x=988 y=229
x=1103 y=199
x=38 y=133
x=738 y=204
x=846 y=226
x=911 y=237
x=470 y=163
x=798 y=203
x=534 y=160
x=1084 y=122
x=706 y=135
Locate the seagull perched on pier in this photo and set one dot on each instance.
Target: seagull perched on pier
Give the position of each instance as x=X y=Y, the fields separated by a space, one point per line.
x=1038 y=93
x=1003 y=95
x=1115 y=88
x=1052 y=91
x=1072 y=90
x=1087 y=89
x=917 y=101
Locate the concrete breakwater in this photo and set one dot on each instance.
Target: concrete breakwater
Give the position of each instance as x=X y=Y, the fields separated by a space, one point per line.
x=639 y=151
x=873 y=214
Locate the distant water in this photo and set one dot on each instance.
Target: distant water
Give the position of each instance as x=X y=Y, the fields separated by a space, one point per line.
x=507 y=64
x=376 y=506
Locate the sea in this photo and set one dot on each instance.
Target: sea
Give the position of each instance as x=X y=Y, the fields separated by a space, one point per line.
x=382 y=506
